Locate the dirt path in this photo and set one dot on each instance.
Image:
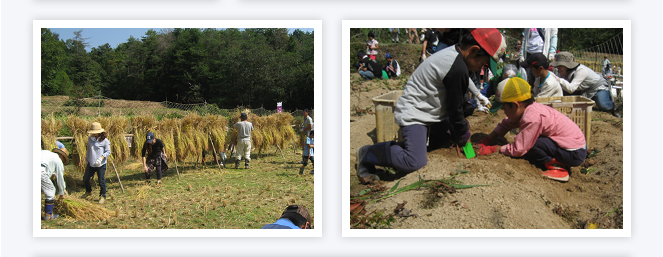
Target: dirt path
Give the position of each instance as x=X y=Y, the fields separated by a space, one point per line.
x=517 y=196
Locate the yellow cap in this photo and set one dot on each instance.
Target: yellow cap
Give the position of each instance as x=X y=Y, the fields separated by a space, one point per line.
x=510 y=90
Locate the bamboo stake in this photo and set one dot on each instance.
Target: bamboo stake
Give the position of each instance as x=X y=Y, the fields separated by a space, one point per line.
x=281 y=151
x=178 y=172
x=215 y=153
x=118 y=176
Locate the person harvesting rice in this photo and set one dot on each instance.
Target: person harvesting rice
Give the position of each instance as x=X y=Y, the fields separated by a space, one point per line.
x=156 y=157
x=243 y=144
x=52 y=163
x=547 y=137
x=98 y=150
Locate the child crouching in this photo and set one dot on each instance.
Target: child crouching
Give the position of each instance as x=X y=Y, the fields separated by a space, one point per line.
x=547 y=137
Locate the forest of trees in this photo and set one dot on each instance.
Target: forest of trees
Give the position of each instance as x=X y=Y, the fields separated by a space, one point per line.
x=226 y=67
x=568 y=38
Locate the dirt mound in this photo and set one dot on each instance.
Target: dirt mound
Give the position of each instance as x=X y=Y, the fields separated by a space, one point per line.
x=516 y=196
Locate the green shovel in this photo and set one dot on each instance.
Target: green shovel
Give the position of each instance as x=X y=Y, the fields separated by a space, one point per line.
x=469 y=151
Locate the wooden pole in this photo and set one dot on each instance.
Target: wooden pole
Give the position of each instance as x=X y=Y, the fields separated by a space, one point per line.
x=280 y=151
x=118 y=176
x=178 y=172
x=215 y=153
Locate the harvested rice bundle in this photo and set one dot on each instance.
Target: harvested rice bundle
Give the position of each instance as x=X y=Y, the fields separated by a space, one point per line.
x=215 y=127
x=140 y=125
x=50 y=127
x=82 y=210
x=115 y=128
x=193 y=136
x=166 y=132
x=78 y=128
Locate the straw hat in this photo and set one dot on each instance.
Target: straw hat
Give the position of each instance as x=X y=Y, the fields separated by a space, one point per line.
x=96 y=128
x=63 y=153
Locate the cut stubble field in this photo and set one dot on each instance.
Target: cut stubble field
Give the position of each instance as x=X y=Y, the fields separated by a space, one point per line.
x=203 y=197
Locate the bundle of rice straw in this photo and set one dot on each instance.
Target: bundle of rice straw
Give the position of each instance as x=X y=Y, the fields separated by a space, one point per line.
x=284 y=128
x=215 y=128
x=50 y=127
x=82 y=210
x=78 y=128
x=166 y=130
x=192 y=138
x=115 y=128
x=140 y=125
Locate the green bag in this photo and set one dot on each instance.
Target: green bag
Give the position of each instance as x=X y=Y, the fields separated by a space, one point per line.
x=384 y=74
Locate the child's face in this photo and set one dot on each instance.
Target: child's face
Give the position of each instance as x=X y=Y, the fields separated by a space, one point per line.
x=537 y=71
x=514 y=111
x=473 y=61
x=562 y=70
x=311 y=136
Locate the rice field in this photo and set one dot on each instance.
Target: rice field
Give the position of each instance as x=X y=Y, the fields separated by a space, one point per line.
x=203 y=197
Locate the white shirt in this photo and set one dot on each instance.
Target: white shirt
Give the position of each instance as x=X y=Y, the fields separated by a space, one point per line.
x=52 y=164
x=549 y=87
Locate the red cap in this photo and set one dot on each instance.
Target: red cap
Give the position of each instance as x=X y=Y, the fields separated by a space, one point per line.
x=491 y=40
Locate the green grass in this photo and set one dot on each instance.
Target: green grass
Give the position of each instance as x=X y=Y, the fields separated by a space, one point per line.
x=203 y=197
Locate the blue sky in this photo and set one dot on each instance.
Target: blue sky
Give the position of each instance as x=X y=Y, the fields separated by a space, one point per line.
x=114 y=36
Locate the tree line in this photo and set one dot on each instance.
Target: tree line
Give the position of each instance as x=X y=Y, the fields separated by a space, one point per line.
x=226 y=67
x=568 y=38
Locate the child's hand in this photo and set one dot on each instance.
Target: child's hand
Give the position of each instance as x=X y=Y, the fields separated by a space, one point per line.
x=486 y=150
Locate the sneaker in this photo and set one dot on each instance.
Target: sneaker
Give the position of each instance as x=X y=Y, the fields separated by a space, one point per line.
x=554 y=165
x=300 y=162
x=557 y=174
x=362 y=172
x=147 y=181
x=50 y=216
x=158 y=185
x=102 y=200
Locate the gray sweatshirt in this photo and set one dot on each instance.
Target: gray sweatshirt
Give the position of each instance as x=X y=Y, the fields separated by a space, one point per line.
x=435 y=91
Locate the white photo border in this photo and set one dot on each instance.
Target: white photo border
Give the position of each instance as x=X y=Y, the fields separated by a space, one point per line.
x=348 y=232
x=36 y=128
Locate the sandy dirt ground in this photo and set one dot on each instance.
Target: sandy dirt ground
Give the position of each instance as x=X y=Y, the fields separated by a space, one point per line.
x=516 y=195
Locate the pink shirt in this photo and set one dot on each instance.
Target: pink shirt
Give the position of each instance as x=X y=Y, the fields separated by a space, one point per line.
x=540 y=120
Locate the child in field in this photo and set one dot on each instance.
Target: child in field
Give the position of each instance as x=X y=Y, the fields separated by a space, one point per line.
x=547 y=137
x=308 y=153
x=432 y=105
x=372 y=46
x=546 y=84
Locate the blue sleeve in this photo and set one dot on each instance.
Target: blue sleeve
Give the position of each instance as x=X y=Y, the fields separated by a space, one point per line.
x=60 y=144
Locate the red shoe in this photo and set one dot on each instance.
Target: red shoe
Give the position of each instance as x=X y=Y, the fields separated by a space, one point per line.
x=559 y=174
x=555 y=165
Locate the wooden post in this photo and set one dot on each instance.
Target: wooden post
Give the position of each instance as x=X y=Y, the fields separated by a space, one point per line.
x=178 y=172
x=215 y=153
x=280 y=151
x=118 y=176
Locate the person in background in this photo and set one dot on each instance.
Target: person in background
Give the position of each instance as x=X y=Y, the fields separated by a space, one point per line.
x=52 y=163
x=547 y=137
x=412 y=33
x=243 y=146
x=308 y=153
x=368 y=68
x=154 y=157
x=394 y=35
x=606 y=69
x=98 y=150
x=578 y=79
x=546 y=84
x=392 y=68
x=293 y=217
x=430 y=43
x=372 y=46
